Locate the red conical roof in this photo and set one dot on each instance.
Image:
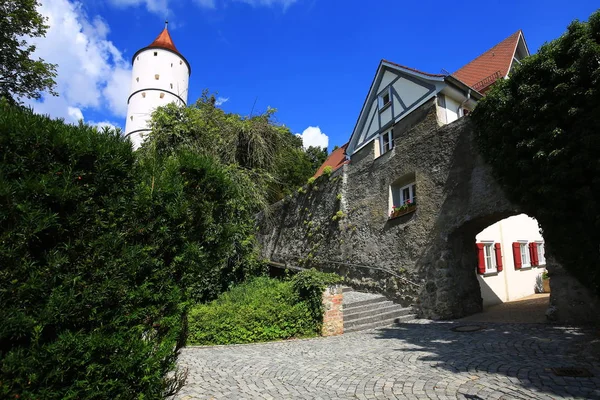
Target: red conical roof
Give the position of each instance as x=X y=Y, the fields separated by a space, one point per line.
x=164 y=41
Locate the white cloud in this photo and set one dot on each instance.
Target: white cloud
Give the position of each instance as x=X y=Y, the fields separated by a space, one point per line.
x=92 y=73
x=160 y=7
x=206 y=3
x=312 y=136
x=74 y=113
x=221 y=100
x=103 y=124
x=268 y=3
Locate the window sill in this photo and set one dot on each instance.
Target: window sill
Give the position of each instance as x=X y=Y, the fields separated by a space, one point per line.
x=491 y=273
x=385 y=107
x=401 y=213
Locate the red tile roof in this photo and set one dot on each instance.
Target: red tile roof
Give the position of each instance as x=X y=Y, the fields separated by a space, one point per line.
x=164 y=41
x=414 y=70
x=491 y=65
x=335 y=160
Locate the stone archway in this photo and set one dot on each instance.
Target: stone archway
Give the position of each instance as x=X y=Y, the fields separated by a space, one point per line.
x=452 y=289
x=343 y=224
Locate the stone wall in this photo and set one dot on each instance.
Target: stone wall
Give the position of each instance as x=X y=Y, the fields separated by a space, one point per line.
x=427 y=258
x=570 y=301
x=333 y=317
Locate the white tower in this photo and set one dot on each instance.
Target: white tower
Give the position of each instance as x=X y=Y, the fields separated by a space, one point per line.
x=160 y=76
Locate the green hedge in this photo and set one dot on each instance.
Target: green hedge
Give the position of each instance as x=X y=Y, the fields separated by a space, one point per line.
x=100 y=253
x=262 y=309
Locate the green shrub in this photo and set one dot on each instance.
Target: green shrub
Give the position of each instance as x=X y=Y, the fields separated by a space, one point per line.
x=87 y=312
x=311 y=181
x=327 y=171
x=309 y=286
x=260 y=310
x=100 y=254
x=540 y=133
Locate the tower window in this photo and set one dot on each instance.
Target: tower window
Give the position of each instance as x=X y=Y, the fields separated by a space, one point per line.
x=180 y=62
x=171 y=65
x=131 y=118
x=137 y=79
x=144 y=94
x=171 y=86
x=157 y=76
x=162 y=95
x=155 y=53
x=138 y=58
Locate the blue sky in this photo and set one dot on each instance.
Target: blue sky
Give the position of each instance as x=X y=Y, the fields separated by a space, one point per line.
x=313 y=60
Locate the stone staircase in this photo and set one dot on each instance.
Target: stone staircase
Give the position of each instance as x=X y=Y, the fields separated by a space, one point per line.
x=364 y=311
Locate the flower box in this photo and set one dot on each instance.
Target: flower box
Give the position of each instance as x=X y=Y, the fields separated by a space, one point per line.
x=400 y=211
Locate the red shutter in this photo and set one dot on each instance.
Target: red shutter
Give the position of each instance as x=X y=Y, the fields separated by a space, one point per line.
x=517 y=255
x=534 y=259
x=481 y=261
x=531 y=254
x=498 y=256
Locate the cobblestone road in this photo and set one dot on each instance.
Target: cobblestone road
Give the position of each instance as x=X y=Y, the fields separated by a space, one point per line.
x=410 y=361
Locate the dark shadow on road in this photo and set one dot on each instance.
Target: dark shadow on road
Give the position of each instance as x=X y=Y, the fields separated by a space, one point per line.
x=523 y=353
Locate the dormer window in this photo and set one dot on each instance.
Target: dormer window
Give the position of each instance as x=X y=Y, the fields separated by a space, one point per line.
x=155 y=53
x=385 y=99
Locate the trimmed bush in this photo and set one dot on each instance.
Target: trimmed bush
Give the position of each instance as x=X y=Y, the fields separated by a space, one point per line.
x=99 y=255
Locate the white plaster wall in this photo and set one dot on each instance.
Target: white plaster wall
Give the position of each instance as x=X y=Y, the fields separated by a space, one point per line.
x=385 y=116
x=173 y=80
x=409 y=91
x=372 y=125
x=386 y=79
x=451 y=109
x=510 y=284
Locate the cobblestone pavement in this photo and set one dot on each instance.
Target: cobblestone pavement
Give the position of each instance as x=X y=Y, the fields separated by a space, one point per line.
x=422 y=360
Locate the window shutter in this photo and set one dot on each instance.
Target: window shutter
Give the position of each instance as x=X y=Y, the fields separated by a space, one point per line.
x=534 y=254
x=481 y=261
x=498 y=257
x=517 y=255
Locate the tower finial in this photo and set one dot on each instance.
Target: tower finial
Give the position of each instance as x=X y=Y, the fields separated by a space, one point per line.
x=166 y=23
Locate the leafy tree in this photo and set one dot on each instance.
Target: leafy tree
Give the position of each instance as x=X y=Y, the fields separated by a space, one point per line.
x=269 y=154
x=20 y=75
x=540 y=131
x=317 y=156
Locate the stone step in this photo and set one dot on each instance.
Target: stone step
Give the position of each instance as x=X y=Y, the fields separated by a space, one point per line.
x=372 y=310
x=376 y=317
x=379 y=324
x=348 y=305
x=346 y=289
x=373 y=307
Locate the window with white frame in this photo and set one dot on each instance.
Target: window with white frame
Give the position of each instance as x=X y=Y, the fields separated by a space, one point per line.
x=489 y=257
x=385 y=99
x=405 y=195
x=386 y=141
x=524 y=248
x=541 y=253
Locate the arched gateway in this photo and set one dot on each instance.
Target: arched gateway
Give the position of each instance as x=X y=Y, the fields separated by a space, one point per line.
x=426 y=256
x=408 y=195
